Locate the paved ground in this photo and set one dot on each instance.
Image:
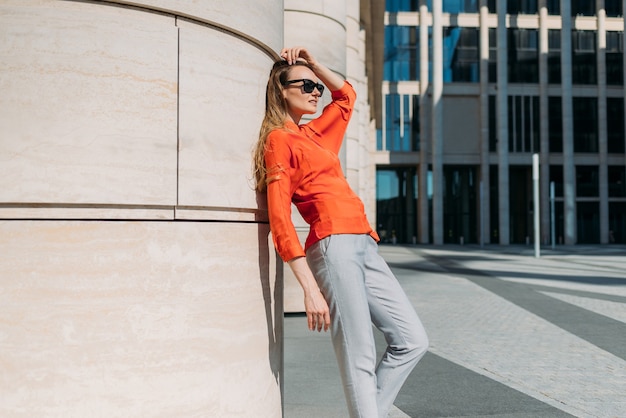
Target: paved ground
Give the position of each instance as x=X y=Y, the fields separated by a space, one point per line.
x=511 y=336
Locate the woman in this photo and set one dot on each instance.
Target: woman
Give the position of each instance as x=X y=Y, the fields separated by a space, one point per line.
x=347 y=285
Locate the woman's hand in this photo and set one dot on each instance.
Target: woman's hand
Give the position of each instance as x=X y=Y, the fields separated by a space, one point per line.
x=298 y=53
x=317 y=312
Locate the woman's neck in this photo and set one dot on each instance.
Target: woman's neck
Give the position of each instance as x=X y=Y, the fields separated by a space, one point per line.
x=291 y=117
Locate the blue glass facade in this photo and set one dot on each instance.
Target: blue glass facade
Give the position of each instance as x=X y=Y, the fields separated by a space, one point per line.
x=401 y=62
x=460 y=54
x=401 y=133
x=578 y=7
x=449 y=6
x=402 y=123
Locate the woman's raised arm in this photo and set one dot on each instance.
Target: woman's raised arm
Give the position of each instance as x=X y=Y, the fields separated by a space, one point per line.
x=329 y=78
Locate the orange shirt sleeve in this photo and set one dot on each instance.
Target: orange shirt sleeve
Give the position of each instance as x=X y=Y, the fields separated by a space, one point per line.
x=332 y=123
x=281 y=166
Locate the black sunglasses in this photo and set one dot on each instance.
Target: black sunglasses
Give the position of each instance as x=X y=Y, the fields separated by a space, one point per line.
x=308 y=86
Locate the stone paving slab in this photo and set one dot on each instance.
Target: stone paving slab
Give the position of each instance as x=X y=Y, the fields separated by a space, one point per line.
x=500 y=321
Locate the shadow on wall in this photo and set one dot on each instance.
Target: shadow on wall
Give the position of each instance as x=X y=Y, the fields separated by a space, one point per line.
x=273 y=318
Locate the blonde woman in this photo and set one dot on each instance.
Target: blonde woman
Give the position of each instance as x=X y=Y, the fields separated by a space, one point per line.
x=347 y=285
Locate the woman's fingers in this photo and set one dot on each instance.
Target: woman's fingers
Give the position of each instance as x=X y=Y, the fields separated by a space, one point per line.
x=290 y=55
x=293 y=54
x=318 y=321
x=317 y=312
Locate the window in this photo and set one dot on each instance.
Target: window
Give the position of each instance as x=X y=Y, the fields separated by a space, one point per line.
x=523 y=56
x=555 y=124
x=401 y=5
x=522 y=7
x=401 y=123
x=613 y=8
x=554 y=56
x=584 y=57
x=460 y=6
x=493 y=125
x=587 y=183
x=556 y=177
x=583 y=7
x=617 y=181
x=448 y=6
x=585 y=124
x=588 y=222
x=493 y=55
x=401 y=59
x=494 y=207
x=615 y=124
x=617 y=222
x=614 y=58
x=554 y=7
x=461 y=57
x=524 y=124
x=396 y=204
x=460 y=204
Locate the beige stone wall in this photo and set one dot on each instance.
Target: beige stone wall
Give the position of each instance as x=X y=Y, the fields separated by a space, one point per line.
x=142 y=319
x=135 y=273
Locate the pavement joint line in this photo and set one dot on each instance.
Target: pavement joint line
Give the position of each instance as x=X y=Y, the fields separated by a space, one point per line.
x=610 y=309
x=580 y=405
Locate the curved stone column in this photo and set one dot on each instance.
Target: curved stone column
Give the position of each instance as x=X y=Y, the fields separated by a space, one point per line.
x=135 y=273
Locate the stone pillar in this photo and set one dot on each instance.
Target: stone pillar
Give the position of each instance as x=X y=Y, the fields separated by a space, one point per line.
x=544 y=132
x=602 y=124
x=422 y=210
x=136 y=274
x=437 y=124
x=503 y=126
x=359 y=169
x=484 y=217
x=569 y=172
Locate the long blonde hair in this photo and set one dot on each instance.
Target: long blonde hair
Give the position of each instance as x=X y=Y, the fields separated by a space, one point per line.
x=275 y=116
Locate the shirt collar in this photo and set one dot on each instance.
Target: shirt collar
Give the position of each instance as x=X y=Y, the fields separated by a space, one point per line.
x=292 y=125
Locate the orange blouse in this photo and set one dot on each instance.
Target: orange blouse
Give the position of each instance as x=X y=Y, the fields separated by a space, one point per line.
x=304 y=168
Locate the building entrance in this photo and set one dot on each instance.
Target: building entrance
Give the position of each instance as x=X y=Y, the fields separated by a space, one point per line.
x=460 y=204
x=396 y=204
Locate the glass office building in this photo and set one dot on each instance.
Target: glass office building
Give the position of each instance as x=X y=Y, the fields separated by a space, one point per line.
x=472 y=89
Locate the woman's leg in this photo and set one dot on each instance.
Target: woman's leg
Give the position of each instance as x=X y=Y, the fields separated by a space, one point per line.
x=393 y=314
x=338 y=265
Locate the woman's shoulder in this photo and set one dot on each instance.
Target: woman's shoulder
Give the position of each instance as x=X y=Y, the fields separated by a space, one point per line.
x=278 y=135
x=286 y=134
x=283 y=139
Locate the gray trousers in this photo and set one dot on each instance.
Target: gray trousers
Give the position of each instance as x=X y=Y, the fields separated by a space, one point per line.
x=360 y=290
